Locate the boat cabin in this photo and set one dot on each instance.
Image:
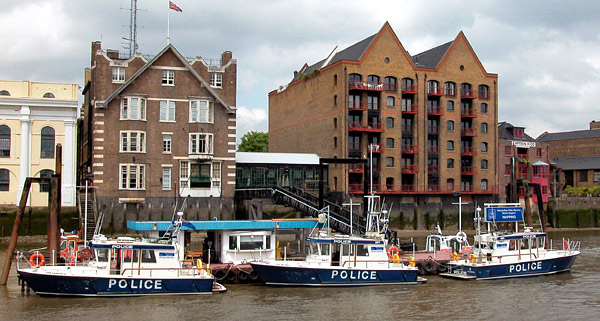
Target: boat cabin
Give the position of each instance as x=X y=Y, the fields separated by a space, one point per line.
x=509 y=244
x=346 y=251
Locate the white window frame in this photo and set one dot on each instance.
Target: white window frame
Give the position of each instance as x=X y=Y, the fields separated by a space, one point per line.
x=184 y=174
x=126 y=171
x=118 y=74
x=201 y=143
x=127 y=137
x=167 y=111
x=129 y=113
x=168 y=77
x=200 y=114
x=216 y=174
x=216 y=79
x=167 y=143
x=166 y=177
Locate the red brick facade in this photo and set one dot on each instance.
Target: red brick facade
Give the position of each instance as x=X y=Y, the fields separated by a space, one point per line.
x=403 y=105
x=159 y=129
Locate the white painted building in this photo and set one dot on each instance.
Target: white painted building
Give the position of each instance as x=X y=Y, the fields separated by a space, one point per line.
x=34 y=117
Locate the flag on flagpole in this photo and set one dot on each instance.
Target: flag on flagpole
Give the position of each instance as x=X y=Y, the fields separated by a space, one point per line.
x=174 y=7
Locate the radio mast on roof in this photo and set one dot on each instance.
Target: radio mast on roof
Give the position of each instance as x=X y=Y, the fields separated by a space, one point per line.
x=132 y=39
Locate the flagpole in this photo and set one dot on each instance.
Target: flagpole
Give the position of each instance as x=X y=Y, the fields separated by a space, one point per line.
x=168 y=24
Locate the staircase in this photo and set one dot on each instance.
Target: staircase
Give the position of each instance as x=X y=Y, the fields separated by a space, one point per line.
x=308 y=204
x=91 y=210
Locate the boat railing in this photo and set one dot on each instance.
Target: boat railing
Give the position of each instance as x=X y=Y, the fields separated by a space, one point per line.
x=353 y=263
x=183 y=271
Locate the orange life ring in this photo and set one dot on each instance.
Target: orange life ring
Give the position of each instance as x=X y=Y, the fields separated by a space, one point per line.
x=392 y=251
x=565 y=245
x=40 y=259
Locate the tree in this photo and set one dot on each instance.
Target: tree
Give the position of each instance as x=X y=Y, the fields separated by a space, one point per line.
x=254 y=142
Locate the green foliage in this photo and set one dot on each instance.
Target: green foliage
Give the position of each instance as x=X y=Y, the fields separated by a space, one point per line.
x=36 y=222
x=570 y=190
x=254 y=142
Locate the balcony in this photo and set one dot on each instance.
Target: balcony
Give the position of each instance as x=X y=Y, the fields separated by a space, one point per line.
x=468 y=93
x=468 y=112
x=435 y=110
x=409 y=169
x=390 y=87
x=357 y=105
x=433 y=149
x=356 y=168
x=410 y=109
x=484 y=95
x=407 y=128
x=466 y=188
x=433 y=169
x=468 y=170
x=433 y=188
x=357 y=126
x=451 y=92
x=409 y=89
x=410 y=149
x=433 y=130
x=364 y=85
x=468 y=132
x=435 y=91
x=468 y=151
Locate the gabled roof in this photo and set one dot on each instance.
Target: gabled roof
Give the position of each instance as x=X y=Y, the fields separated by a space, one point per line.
x=505 y=133
x=432 y=57
x=577 y=134
x=577 y=163
x=103 y=104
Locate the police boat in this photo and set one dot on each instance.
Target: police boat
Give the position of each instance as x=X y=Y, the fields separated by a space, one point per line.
x=512 y=254
x=342 y=260
x=122 y=267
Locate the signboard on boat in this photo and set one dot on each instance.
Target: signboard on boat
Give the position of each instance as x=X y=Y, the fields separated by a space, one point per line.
x=503 y=214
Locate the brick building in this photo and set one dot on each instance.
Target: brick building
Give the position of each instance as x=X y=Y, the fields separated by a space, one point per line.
x=431 y=117
x=155 y=130
x=521 y=155
x=576 y=155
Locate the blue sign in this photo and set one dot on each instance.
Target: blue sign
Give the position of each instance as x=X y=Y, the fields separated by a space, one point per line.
x=503 y=214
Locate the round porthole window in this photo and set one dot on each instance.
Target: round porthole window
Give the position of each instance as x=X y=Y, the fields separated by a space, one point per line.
x=386 y=60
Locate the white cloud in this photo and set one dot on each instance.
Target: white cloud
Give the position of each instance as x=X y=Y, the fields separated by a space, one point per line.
x=250 y=119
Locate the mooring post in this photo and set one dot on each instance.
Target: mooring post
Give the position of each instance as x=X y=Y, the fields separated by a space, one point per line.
x=54 y=207
x=15 y=231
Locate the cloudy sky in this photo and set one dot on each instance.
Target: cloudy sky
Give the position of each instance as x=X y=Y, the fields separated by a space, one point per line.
x=546 y=53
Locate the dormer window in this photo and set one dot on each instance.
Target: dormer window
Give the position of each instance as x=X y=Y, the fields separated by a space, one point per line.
x=518 y=132
x=216 y=80
x=118 y=74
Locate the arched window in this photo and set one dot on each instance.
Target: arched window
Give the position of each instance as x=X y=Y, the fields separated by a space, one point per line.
x=4 y=179
x=407 y=86
x=484 y=127
x=354 y=77
x=450 y=145
x=450 y=163
x=484 y=184
x=390 y=83
x=484 y=147
x=450 y=105
x=450 y=125
x=389 y=162
x=389 y=122
x=373 y=79
x=48 y=95
x=389 y=183
x=47 y=143
x=389 y=143
x=450 y=88
x=450 y=184
x=391 y=101
x=433 y=87
x=484 y=92
x=4 y=93
x=484 y=108
x=4 y=141
x=45 y=173
x=484 y=164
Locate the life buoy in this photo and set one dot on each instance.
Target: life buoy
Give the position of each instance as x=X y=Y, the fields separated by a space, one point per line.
x=565 y=245
x=37 y=259
x=461 y=237
x=393 y=250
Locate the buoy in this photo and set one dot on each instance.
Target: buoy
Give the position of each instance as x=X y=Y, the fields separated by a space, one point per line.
x=37 y=259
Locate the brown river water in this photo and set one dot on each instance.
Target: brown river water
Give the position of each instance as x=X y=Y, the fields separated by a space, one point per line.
x=567 y=296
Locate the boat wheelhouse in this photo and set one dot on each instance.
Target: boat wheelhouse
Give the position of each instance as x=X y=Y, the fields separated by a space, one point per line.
x=507 y=254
